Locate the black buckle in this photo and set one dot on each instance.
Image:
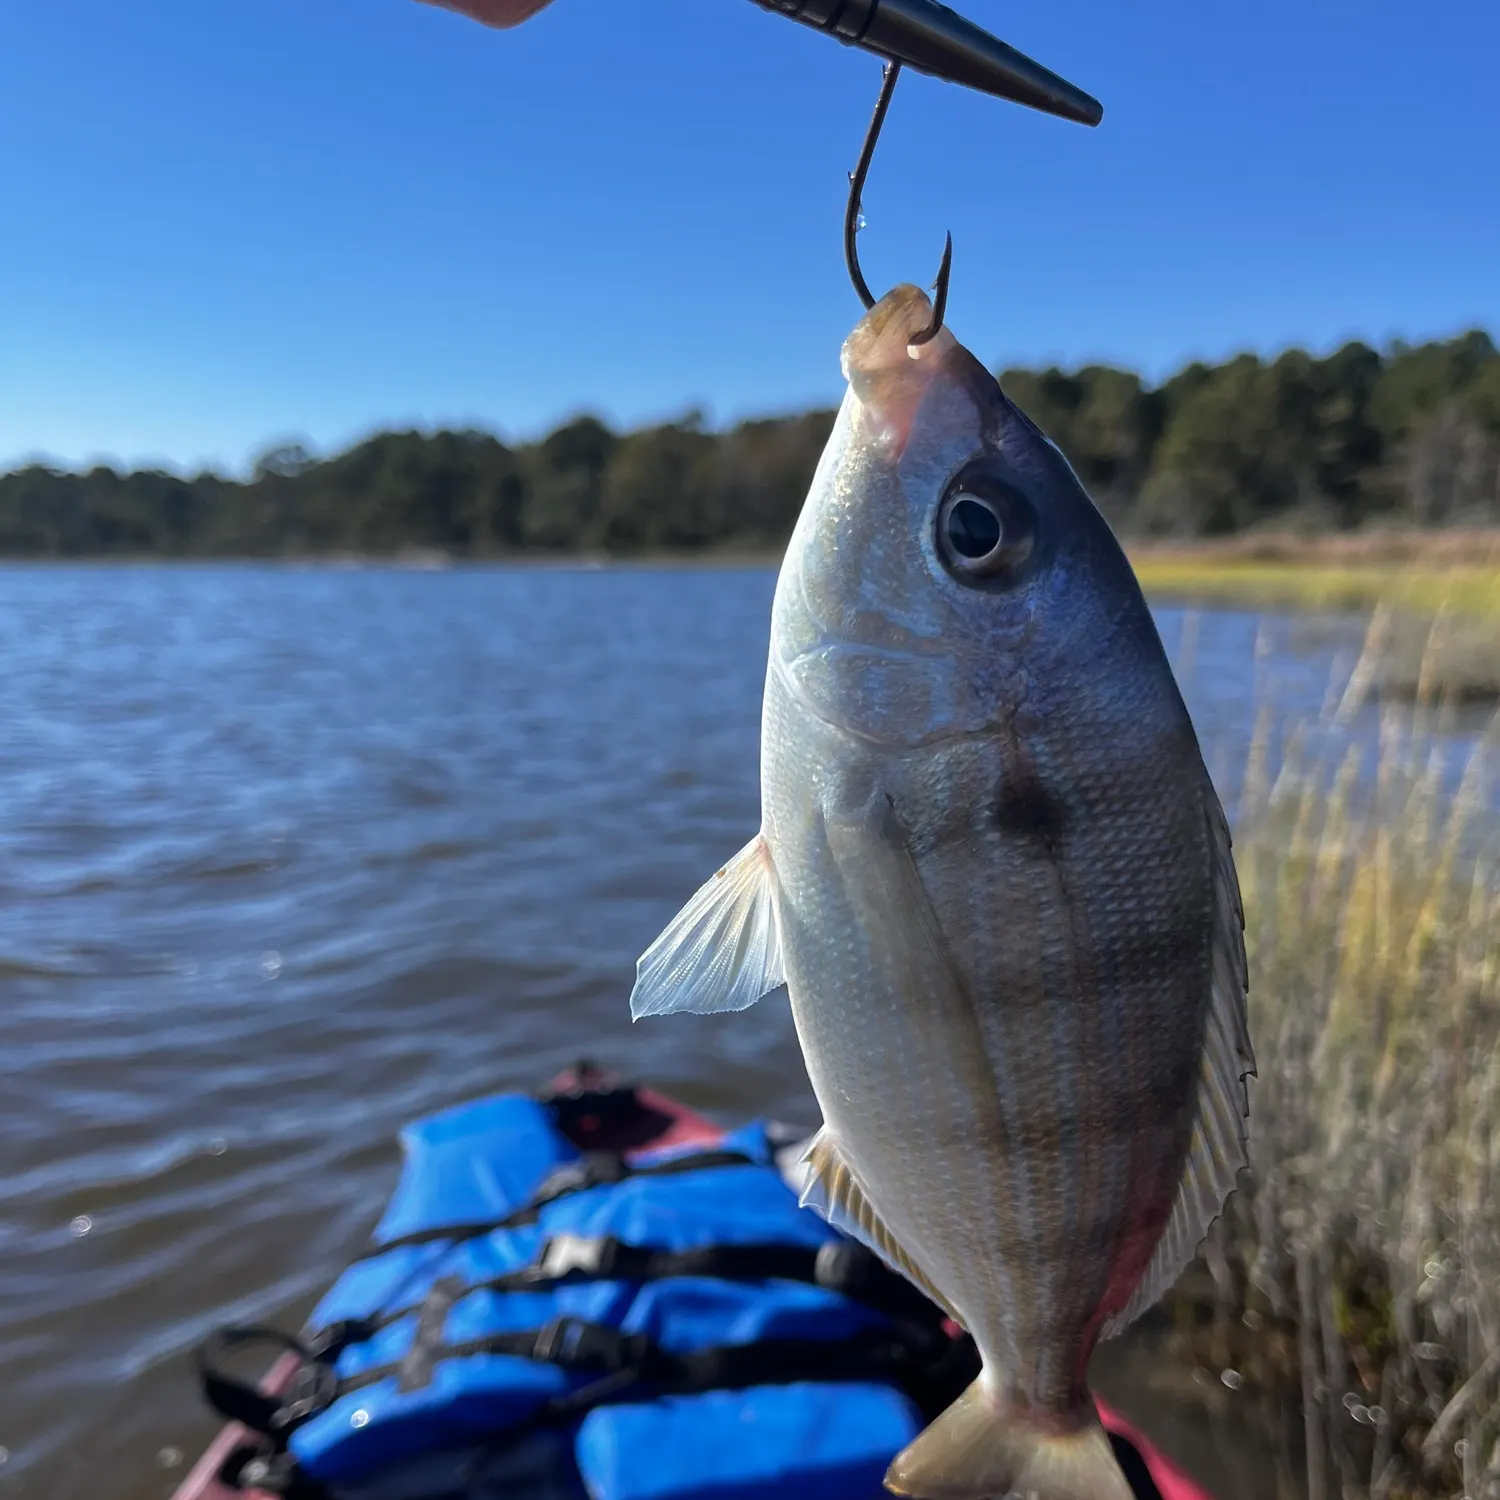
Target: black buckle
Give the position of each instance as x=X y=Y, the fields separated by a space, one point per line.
x=856 y=1272
x=565 y=1256
x=592 y=1169
x=575 y=1344
x=568 y=1257
x=267 y=1472
x=313 y=1388
x=846 y=1267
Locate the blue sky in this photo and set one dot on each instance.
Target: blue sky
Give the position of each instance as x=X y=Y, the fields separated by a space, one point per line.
x=225 y=222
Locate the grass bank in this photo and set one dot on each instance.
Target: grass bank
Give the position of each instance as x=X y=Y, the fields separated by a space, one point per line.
x=1352 y=1293
x=1433 y=599
x=1420 y=573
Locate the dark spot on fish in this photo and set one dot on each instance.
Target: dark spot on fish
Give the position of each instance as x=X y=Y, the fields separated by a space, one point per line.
x=1025 y=809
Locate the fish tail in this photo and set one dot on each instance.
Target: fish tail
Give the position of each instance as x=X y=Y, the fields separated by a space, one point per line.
x=977 y=1450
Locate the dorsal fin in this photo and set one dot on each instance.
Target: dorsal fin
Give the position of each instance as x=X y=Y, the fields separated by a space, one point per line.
x=1220 y=1139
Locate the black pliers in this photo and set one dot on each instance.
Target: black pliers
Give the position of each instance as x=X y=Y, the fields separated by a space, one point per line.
x=933 y=39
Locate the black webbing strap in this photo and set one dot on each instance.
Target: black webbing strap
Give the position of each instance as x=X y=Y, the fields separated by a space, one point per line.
x=837 y=1266
x=593 y=1169
x=595 y=1349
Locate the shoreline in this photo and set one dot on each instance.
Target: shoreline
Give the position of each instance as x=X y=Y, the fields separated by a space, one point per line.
x=1457 y=548
x=1420 y=574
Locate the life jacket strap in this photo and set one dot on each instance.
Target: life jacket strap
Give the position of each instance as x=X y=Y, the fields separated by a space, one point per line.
x=593 y=1169
x=588 y=1348
x=840 y=1266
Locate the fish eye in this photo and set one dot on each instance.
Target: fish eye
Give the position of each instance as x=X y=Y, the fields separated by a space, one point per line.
x=986 y=528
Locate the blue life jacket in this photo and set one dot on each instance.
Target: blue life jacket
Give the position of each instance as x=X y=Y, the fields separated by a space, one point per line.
x=674 y=1328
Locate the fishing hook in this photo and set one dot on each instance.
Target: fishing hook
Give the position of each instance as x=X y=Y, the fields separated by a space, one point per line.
x=857 y=177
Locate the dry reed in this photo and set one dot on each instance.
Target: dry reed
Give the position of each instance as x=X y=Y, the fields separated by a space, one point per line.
x=1356 y=1277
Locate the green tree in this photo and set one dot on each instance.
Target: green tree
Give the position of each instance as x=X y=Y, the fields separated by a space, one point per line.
x=565 y=482
x=1412 y=434
x=1105 y=422
x=659 y=492
x=761 y=474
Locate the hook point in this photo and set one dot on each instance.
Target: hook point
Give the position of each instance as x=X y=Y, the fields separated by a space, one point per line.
x=940 y=296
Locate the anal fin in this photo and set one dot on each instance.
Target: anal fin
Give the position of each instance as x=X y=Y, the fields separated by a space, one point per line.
x=831 y=1189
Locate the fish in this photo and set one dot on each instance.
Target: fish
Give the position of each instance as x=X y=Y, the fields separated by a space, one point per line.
x=997 y=884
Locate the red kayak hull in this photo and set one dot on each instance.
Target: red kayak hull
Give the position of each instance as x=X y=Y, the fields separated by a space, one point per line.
x=659 y=1123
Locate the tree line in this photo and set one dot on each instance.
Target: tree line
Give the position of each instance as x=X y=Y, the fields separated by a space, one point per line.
x=1409 y=435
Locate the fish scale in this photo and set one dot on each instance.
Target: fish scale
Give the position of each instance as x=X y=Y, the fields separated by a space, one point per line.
x=996 y=881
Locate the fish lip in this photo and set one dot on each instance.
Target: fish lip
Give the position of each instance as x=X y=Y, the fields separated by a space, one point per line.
x=782 y=668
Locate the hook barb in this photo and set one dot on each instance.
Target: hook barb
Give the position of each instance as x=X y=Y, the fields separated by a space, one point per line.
x=853 y=207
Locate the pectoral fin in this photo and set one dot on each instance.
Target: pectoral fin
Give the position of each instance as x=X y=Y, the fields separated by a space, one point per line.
x=832 y=1190
x=1220 y=1140
x=722 y=951
x=897 y=919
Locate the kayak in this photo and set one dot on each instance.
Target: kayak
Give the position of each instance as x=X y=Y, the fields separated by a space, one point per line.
x=602 y=1119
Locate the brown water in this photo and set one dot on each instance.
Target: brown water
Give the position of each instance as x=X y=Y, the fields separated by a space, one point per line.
x=288 y=857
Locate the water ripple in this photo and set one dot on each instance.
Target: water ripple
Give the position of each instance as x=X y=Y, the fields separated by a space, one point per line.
x=288 y=857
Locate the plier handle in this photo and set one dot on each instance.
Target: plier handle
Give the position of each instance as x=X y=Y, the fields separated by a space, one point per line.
x=931 y=38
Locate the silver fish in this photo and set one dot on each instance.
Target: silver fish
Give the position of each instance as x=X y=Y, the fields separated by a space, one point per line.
x=996 y=881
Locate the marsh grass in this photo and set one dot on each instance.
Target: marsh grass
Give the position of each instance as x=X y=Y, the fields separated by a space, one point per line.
x=1468 y=589
x=1356 y=1277
x=1452 y=658
x=1415 y=573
